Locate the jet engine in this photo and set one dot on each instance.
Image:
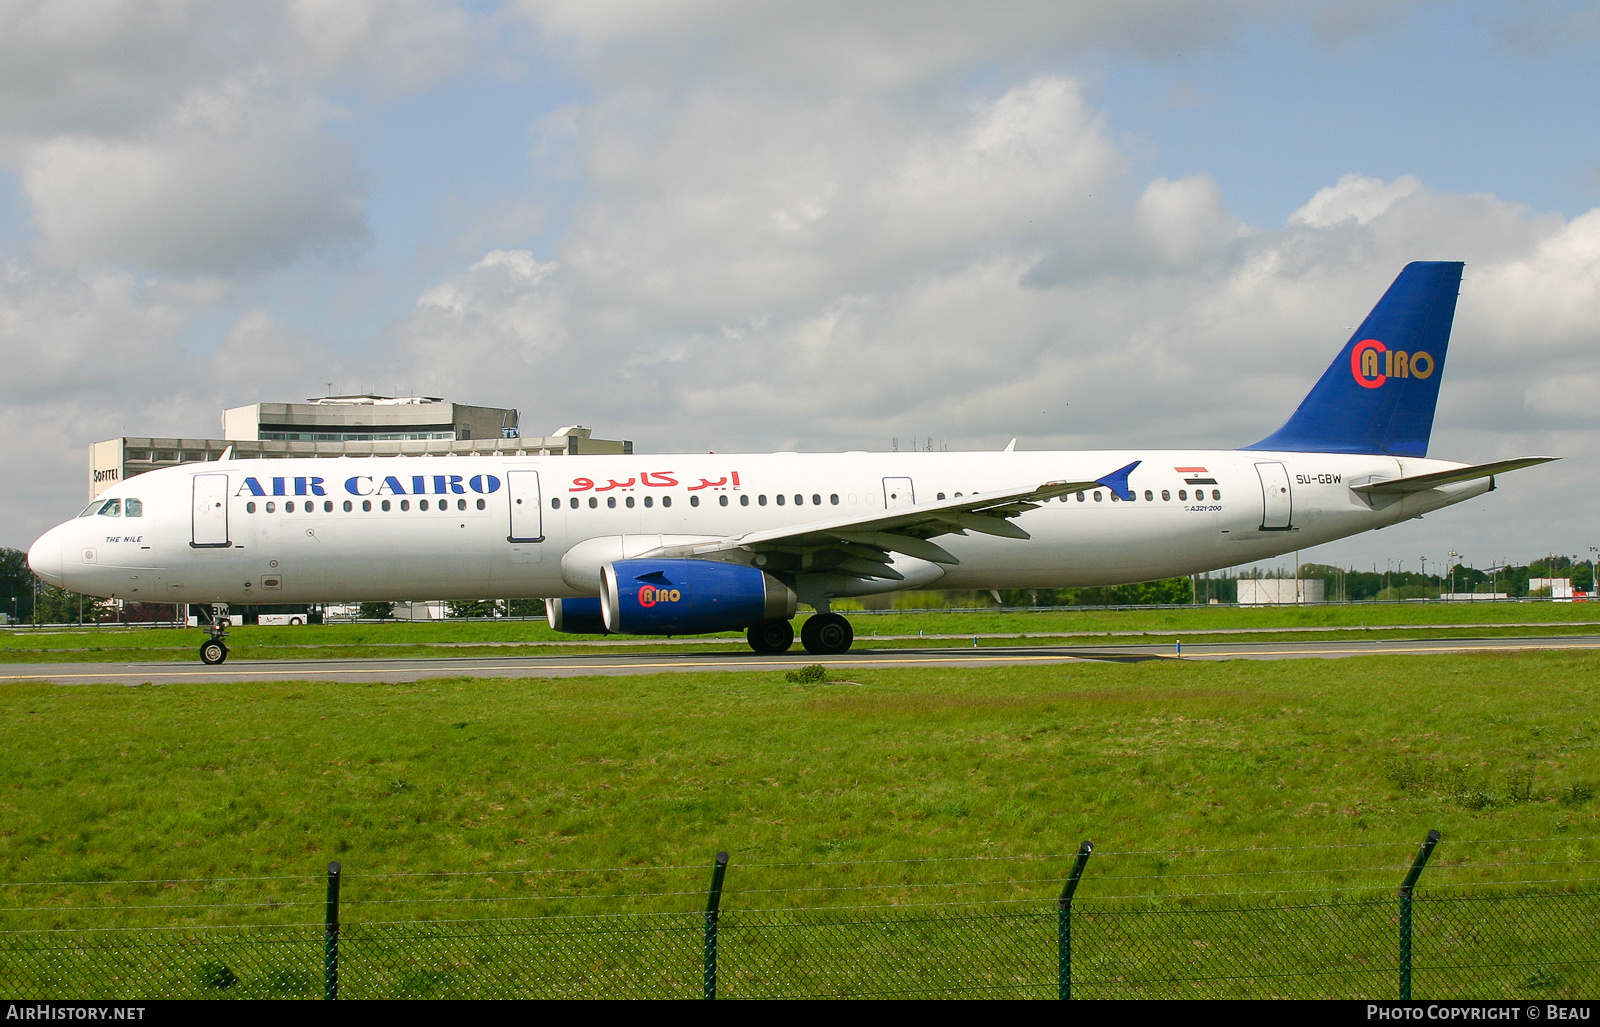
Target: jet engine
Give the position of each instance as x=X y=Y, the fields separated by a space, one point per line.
x=689 y=597
x=575 y=616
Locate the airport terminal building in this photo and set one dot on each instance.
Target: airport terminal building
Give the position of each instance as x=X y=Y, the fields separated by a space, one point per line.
x=345 y=426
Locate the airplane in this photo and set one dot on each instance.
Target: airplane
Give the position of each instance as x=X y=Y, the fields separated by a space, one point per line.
x=694 y=544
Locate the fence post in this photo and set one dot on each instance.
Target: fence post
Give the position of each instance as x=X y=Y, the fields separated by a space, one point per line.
x=1405 y=910
x=330 y=938
x=713 y=902
x=1064 y=923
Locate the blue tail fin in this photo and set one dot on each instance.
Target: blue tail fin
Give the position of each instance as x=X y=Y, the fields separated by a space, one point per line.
x=1378 y=395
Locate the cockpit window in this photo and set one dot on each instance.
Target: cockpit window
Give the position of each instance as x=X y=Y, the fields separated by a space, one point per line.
x=91 y=509
x=111 y=508
x=132 y=508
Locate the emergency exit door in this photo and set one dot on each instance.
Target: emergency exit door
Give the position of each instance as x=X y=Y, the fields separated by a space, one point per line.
x=897 y=492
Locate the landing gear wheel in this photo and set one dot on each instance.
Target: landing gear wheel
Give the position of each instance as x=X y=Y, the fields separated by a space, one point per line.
x=827 y=634
x=212 y=652
x=771 y=638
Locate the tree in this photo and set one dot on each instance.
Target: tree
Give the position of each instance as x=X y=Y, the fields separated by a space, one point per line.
x=58 y=606
x=525 y=608
x=376 y=611
x=16 y=584
x=476 y=608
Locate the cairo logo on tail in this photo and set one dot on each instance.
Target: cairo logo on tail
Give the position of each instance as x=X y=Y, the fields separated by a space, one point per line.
x=1372 y=363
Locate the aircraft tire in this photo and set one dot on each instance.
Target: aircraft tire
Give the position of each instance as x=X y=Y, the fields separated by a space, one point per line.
x=827 y=634
x=771 y=637
x=212 y=652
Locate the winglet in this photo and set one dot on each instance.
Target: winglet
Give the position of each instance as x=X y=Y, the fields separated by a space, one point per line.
x=1117 y=481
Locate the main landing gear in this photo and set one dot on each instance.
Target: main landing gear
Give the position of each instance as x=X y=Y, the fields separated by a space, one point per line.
x=214 y=650
x=826 y=634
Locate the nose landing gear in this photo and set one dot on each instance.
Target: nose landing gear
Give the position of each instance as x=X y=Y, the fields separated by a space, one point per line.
x=214 y=650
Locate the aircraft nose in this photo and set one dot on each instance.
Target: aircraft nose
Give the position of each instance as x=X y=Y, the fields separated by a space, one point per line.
x=45 y=557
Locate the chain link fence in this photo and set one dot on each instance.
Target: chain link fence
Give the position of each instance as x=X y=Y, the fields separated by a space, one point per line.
x=914 y=936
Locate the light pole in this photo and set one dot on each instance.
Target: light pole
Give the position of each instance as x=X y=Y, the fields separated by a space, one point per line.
x=1594 y=586
x=1455 y=557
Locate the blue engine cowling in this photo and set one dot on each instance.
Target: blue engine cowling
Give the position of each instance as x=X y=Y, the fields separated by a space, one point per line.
x=689 y=597
x=575 y=616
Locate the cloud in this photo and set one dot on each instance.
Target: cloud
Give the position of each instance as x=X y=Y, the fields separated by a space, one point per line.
x=847 y=47
x=1357 y=198
x=236 y=179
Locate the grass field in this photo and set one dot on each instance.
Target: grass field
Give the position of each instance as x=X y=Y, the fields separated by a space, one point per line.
x=1303 y=781
x=534 y=637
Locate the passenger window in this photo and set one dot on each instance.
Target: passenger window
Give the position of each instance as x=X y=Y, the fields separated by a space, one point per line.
x=461 y=504
x=1097 y=497
x=940 y=496
x=272 y=508
x=289 y=507
x=422 y=504
x=780 y=499
x=249 y=508
x=694 y=500
x=722 y=500
x=555 y=504
x=611 y=502
x=593 y=503
x=385 y=506
x=1183 y=495
x=628 y=502
x=1166 y=496
x=744 y=500
x=799 y=500
x=816 y=500
x=834 y=499
x=649 y=501
x=327 y=505
x=1216 y=494
x=405 y=504
x=761 y=500
x=132 y=508
x=366 y=506
x=481 y=504
x=348 y=506
x=1149 y=497
x=666 y=500
x=1080 y=497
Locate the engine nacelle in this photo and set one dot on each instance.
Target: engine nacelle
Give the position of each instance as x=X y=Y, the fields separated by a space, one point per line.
x=689 y=597
x=575 y=616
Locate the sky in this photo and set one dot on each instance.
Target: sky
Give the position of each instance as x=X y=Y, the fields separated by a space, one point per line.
x=703 y=224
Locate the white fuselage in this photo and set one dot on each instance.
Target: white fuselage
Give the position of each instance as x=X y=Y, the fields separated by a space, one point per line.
x=370 y=529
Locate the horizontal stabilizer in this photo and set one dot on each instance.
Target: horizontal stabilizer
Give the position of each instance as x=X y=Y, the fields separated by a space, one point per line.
x=1423 y=482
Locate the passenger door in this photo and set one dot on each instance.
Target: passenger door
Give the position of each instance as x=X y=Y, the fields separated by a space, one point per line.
x=209 y=524
x=527 y=509
x=1277 y=502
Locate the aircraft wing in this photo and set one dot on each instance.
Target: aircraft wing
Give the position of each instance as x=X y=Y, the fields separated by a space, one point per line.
x=862 y=545
x=1423 y=482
